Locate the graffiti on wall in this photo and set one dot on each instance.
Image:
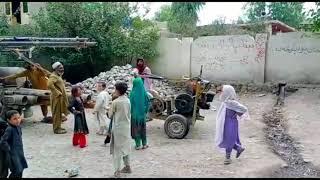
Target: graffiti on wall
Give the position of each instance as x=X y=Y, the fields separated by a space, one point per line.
x=232 y=42
x=218 y=52
x=297 y=50
x=261 y=40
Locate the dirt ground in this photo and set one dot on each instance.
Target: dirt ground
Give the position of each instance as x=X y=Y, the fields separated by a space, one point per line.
x=303 y=111
x=50 y=155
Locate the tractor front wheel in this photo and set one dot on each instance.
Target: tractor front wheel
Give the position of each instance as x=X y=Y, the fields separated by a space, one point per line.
x=176 y=126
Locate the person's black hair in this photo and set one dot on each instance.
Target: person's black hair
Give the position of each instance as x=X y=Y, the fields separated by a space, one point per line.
x=140 y=59
x=74 y=90
x=10 y=113
x=103 y=84
x=122 y=87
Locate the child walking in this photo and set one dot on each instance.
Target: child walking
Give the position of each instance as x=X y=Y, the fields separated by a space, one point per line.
x=120 y=145
x=76 y=107
x=227 y=128
x=100 y=108
x=11 y=143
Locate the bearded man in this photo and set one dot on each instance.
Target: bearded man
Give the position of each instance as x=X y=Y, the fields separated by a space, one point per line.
x=58 y=100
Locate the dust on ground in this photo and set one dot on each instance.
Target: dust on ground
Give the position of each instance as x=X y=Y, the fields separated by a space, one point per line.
x=49 y=155
x=303 y=111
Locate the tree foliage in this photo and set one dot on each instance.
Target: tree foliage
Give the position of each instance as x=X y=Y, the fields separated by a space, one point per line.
x=290 y=13
x=315 y=18
x=164 y=14
x=254 y=10
x=182 y=17
x=120 y=36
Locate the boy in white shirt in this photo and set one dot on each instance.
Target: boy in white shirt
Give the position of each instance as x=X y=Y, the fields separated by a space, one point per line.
x=100 y=108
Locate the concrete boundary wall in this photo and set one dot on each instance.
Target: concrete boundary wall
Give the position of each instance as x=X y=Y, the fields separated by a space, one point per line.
x=294 y=58
x=291 y=57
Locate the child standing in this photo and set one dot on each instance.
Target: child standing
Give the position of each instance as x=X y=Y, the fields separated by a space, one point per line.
x=139 y=108
x=100 y=108
x=108 y=137
x=120 y=146
x=4 y=163
x=227 y=128
x=76 y=107
x=11 y=143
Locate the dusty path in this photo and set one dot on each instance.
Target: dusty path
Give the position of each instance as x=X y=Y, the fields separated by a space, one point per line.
x=303 y=111
x=49 y=155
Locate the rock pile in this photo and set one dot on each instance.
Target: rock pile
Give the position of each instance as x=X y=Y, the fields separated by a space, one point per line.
x=124 y=73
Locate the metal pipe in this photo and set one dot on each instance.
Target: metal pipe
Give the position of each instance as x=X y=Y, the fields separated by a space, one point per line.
x=15 y=100
x=32 y=100
x=86 y=97
x=18 y=44
x=26 y=91
x=41 y=39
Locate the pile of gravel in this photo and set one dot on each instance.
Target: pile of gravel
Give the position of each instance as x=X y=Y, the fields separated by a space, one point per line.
x=124 y=74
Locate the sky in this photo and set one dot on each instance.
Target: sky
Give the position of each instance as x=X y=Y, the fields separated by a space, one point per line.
x=213 y=10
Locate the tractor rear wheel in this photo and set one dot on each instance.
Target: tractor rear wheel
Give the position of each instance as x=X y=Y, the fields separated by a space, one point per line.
x=176 y=126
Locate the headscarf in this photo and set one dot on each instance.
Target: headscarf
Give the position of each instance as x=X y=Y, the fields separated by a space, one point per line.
x=228 y=100
x=141 y=67
x=139 y=101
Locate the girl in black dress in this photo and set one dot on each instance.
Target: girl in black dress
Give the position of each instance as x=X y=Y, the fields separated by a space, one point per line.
x=76 y=107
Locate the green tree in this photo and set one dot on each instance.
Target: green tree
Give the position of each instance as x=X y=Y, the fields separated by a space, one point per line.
x=315 y=17
x=290 y=13
x=119 y=35
x=164 y=14
x=254 y=10
x=182 y=17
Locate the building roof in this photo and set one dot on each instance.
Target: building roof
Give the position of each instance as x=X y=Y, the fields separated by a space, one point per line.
x=276 y=26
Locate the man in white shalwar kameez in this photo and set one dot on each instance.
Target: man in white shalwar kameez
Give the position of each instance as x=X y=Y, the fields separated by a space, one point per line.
x=100 y=108
x=120 y=145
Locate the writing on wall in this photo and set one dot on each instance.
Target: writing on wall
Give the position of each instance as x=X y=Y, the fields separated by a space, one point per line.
x=221 y=55
x=227 y=42
x=293 y=57
x=297 y=50
x=217 y=52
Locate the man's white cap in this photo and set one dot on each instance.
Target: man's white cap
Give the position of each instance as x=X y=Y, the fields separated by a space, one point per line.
x=56 y=64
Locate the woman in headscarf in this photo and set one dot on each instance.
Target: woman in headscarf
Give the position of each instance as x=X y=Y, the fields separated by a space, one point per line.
x=139 y=107
x=227 y=128
x=142 y=69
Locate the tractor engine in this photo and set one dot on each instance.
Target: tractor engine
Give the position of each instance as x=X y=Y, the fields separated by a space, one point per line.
x=184 y=102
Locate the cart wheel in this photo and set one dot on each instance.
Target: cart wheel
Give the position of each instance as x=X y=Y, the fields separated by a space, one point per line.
x=176 y=126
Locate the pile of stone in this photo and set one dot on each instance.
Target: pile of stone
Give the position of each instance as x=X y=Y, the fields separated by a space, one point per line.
x=124 y=73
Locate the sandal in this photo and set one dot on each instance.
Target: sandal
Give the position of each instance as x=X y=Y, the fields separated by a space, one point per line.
x=138 y=148
x=227 y=161
x=60 y=131
x=116 y=174
x=239 y=152
x=126 y=169
x=145 y=146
